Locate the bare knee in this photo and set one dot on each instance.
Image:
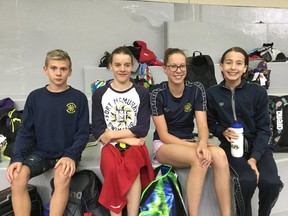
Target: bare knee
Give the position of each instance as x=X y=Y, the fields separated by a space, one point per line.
x=61 y=181
x=21 y=179
x=196 y=166
x=219 y=157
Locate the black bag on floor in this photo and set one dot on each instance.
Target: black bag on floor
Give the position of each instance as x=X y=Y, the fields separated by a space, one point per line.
x=85 y=189
x=201 y=68
x=6 y=208
x=278 y=111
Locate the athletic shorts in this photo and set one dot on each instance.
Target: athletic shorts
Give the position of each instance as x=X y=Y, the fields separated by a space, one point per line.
x=156 y=145
x=38 y=165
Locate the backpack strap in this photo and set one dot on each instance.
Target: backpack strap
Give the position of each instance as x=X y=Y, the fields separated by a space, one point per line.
x=14 y=118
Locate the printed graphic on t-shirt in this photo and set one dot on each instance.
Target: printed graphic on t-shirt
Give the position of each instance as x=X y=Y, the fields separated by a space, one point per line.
x=120 y=116
x=120 y=112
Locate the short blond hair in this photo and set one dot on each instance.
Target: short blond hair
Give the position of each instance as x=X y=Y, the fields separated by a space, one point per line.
x=57 y=54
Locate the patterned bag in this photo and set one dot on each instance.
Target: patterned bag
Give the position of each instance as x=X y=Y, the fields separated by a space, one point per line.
x=143 y=76
x=162 y=197
x=258 y=72
x=278 y=111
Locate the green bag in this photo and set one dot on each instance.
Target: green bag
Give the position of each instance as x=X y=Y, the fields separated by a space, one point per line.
x=162 y=197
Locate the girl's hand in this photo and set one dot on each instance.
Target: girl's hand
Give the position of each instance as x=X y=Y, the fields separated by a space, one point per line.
x=253 y=164
x=204 y=155
x=230 y=134
x=106 y=137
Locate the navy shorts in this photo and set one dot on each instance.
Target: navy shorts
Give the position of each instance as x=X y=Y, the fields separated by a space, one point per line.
x=38 y=165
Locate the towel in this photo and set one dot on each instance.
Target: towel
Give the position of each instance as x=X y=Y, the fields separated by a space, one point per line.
x=120 y=170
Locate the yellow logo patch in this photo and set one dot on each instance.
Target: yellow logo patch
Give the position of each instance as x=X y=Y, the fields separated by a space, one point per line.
x=71 y=108
x=187 y=107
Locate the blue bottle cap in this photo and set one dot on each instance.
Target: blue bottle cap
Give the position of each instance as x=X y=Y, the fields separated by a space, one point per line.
x=236 y=125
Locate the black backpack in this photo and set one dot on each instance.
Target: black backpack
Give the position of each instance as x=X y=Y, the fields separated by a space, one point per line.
x=6 y=208
x=201 y=68
x=85 y=189
x=10 y=122
x=6 y=104
x=104 y=61
x=278 y=111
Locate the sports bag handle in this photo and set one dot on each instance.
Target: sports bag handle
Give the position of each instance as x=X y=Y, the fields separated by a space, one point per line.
x=195 y=52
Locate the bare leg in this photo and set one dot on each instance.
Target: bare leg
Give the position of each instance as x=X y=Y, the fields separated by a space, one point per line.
x=114 y=214
x=20 y=197
x=182 y=156
x=195 y=182
x=60 y=195
x=221 y=180
x=132 y=201
x=133 y=198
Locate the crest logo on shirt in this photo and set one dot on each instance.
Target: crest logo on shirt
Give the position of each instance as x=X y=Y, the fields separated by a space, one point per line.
x=71 y=108
x=221 y=104
x=187 y=107
x=166 y=109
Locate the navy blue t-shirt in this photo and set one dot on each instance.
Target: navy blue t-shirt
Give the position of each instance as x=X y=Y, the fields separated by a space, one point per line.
x=179 y=112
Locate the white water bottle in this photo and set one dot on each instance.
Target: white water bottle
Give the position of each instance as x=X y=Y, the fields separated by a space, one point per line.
x=237 y=147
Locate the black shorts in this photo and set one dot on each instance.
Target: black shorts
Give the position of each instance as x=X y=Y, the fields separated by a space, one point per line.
x=38 y=165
